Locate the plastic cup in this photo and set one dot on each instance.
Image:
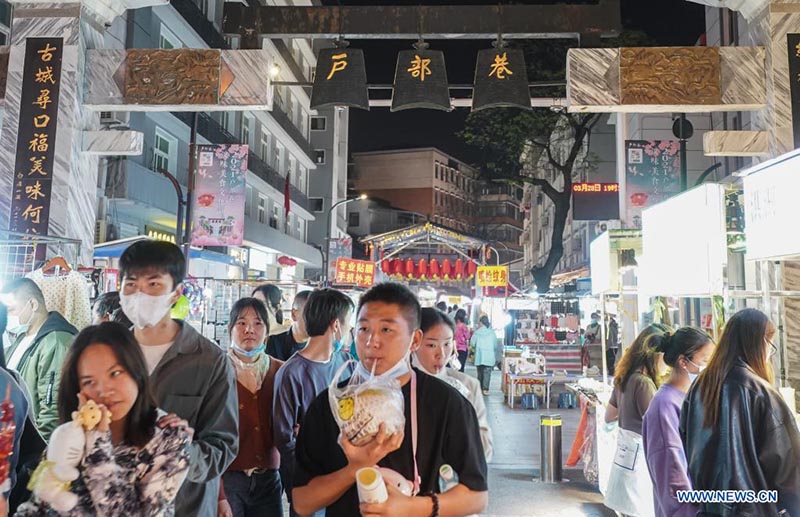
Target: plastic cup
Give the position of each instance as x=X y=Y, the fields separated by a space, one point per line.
x=370 y=485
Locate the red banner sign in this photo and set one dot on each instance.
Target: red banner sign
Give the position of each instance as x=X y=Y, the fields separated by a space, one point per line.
x=360 y=273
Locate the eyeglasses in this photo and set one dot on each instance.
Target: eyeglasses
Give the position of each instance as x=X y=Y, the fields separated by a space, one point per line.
x=772 y=350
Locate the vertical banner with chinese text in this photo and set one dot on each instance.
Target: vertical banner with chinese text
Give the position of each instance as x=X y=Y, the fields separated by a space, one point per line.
x=219 y=194
x=793 y=41
x=36 y=135
x=652 y=175
x=338 y=248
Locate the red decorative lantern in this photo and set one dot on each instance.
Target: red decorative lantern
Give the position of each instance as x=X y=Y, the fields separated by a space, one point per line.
x=386 y=267
x=459 y=269
x=472 y=268
x=285 y=261
x=409 y=268
x=422 y=269
x=447 y=269
x=397 y=267
x=434 y=269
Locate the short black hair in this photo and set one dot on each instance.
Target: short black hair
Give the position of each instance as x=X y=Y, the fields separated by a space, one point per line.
x=432 y=317
x=152 y=255
x=141 y=421
x=25 y=288
x=485 y=321
x=301 y=297
x=106 y=303
x=395 y=294
x=242 y=304
x=461 y=316
x=323 y=307
x=442 y=306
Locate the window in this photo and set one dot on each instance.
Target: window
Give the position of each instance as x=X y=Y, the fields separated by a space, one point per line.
x=262 y=209
x=354 y=219
x=264 y=147
x=167 y=39
x=205 y=7
x=291 y=170
x=301 y=179
x=164 y=151
x=319 y=156
x=245 y=129
x=319 y=123
x=273 y=220
x=248 y=201
x=277 y=159
x=228 y=118
x=316 y=204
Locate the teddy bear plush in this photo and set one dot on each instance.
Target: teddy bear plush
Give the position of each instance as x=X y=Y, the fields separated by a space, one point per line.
x=52 y=479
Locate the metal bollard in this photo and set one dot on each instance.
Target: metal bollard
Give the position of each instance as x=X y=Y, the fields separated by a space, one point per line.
x=550 y=443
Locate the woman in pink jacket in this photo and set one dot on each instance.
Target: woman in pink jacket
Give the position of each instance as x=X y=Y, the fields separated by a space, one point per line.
x=462 y=336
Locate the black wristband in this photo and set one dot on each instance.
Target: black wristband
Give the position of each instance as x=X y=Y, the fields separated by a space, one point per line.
x=435 y=499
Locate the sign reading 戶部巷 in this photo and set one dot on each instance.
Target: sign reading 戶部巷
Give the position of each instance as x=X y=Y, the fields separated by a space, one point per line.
x=420 y=81
x=340 y=80
x=36 y=136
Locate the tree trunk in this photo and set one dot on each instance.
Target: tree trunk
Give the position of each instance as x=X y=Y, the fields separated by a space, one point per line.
x=543 y=275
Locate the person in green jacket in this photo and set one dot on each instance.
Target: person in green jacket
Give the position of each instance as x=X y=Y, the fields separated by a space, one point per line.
x=484 y=341
x=38 y=351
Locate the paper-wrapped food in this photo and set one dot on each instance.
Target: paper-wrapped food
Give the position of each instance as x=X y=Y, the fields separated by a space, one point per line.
x=364 y=403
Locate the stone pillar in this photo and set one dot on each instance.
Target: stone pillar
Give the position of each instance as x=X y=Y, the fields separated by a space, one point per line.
x=74 y=174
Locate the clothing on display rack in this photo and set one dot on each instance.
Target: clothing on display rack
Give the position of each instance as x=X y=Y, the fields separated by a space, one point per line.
x=66 y=293
x=572 y=323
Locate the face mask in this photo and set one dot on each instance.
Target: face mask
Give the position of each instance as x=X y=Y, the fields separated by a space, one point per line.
x=249 y=354
x=398 y=370
x=416 y=363
x=693 y=376
x=145 y=310
x=14 y=326
x=337 y=346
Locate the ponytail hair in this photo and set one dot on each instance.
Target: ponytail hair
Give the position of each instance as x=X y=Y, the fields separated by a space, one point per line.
x=686 y=341
x=642 y=355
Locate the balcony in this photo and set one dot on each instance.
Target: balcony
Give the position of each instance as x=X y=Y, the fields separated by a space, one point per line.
x=498 y=220
x=286 y=123
x=212 y=131
x=200 y=23
x=136 y=189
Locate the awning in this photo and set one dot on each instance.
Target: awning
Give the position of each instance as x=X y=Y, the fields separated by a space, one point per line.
x=113 y=249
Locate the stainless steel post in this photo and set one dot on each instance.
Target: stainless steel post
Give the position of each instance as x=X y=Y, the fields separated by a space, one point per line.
x=550 y=443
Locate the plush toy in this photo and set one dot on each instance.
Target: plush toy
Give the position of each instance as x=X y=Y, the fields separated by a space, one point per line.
x=53 y=477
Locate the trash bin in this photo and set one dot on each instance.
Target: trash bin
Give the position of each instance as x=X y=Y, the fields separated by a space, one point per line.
x=550 y=443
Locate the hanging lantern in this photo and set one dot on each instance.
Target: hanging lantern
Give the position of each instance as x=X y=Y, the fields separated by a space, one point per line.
x=340 y=80
x=501 y=80
x=422 y=269
x=447 y=269
x=386 y=267
x=397 y=267
x=472 y=268
x=458 y=272
x=420 y=80
x=409 y=268
x=434 y=269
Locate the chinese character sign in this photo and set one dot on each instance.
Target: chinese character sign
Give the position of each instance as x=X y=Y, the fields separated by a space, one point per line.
x=338 y=248
x=595 y=201
x=36 y=136
x=653 y=174
x=420 y=81
x=501 y=79
x=218 y=213
x=360 y=273
x=340 y=80
x=492 y=276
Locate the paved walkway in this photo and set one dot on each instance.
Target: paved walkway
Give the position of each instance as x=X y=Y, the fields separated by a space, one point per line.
x=513 y=490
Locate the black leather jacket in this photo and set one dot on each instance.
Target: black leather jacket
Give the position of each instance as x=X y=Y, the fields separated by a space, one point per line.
x=755 y=446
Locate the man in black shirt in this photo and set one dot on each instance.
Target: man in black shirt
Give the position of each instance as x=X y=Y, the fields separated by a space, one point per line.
x=283 y=346
x=387 y=330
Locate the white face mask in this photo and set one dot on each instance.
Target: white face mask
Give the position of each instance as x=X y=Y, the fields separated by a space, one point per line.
x=416 y=363
x=693 y=376
x=15 y=326
x=145 y=310
x=398 y=370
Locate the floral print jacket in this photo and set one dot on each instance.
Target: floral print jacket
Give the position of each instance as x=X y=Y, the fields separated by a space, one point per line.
x=124 y=480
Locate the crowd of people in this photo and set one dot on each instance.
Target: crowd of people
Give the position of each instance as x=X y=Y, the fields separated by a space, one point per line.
x=185 y=427
x=716 y=422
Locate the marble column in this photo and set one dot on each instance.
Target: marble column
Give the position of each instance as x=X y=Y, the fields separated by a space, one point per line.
x=74 y=173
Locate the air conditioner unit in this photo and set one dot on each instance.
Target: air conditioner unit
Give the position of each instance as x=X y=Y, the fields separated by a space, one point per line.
x=100 y=229
x=115 y=118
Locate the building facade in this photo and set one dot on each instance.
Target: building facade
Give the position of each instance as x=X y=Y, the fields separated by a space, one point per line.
x=137 y=200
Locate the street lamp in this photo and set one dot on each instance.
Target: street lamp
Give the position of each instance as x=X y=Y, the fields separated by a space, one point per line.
x=328 y=234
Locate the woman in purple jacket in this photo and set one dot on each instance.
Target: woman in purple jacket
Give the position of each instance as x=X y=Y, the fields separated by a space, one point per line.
x=687 y=352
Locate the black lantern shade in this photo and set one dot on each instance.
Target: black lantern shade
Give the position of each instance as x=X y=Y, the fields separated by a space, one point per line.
x=341 y=79
x=501 y=80
x=420 y=81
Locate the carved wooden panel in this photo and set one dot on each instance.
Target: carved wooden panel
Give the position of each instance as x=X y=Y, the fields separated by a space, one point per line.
x=664 y=75
x=170 y=77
